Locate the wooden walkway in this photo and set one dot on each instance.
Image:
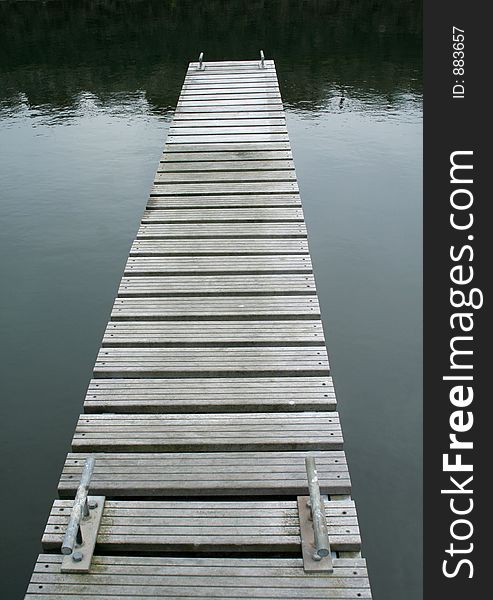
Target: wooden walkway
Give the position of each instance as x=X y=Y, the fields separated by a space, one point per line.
x=212 y=383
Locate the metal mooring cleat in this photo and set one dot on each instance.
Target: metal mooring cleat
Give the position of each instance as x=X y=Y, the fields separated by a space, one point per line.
x=82 y=529
x=315 y=544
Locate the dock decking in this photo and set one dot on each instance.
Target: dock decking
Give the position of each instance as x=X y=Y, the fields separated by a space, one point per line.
x=212 y=384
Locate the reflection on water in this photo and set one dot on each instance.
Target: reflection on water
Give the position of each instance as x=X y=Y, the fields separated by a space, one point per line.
x=52 y=51
x=87 y=90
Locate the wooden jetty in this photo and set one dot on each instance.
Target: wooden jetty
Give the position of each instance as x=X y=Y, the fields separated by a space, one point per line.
x=212 y=397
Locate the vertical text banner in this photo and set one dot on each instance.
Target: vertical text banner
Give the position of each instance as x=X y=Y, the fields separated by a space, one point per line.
x=458 y=259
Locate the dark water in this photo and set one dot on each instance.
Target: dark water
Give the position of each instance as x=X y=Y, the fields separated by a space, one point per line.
x=86 y=94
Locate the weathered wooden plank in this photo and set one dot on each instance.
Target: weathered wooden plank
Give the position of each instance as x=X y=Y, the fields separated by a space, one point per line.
x=192 y=177
x=263 y=77
x=218 y=247
x=211 y=362
x=191 y=109
x=267 y=87
x=231 y=75
x=252 y=97
x=260 y=187
x=226 y=171
x=231 y=87
x=213 y=122
x=205 y=526
x=244 y=154
x=220 y=129
x=222 y=73
x=244 y=229
x=220 y=115
x=219 y=103
x=236 y=95
x=227 y=64
x=217 y=565
x=215 y=307
x=213 y=333
x=236 y=70
x=55 y=591
x=225 y=78
x=241 y=567
x=190 y=162
x=227 y=72
x=224 y=201
x=219 y=69
x=246 y=89
x=219 y=421
x=217 y=265
x=241 y=148
x=231 y=164
x=265 y=80
x=203 y=93
x=207 y=433
x=232 y=82
x=209 y=69
x=197 y=395
x=267 y=77
x=252 y=513
x=197 y=578
x=217 y=215
x=206 y=474
x=175 y=138
x=217 y=285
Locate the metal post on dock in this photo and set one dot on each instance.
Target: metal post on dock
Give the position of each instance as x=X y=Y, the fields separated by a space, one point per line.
x=201 y=61
x=262 y=59
x=321 y=534
x=80 y=536
x=79 y=510
x=315 y=545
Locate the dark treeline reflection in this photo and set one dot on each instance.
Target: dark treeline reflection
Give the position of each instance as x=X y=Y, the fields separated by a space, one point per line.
x=52 y=51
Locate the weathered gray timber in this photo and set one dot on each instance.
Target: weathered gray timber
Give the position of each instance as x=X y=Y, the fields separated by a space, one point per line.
x=208 y=333
x=229 y=361
x=216 y=309
x=256 y=284
x=197 y=395
x=141 y=578
x=212 y=385
x=209 y=433
x=184 y=526
x=206 y=474
x=229 y=230
x=218 y=215
x=218 y=247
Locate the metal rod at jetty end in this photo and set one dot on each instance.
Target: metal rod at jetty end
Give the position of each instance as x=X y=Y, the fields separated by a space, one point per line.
x=201 y=60
x=262 y=59
x=80 y=508
x=321 y=535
